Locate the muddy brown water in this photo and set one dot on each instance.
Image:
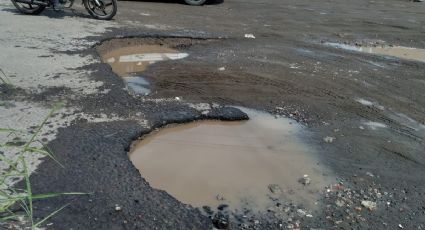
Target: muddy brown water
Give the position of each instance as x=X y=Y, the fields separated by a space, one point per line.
x=214 y=162
x=395 y=51
x=130 y=61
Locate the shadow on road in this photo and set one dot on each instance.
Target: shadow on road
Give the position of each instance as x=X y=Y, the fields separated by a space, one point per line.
x=52 y=14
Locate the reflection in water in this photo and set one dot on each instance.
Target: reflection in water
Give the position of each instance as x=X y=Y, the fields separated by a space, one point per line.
x=128 y=61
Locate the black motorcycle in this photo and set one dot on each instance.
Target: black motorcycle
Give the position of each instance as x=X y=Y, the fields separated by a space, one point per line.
x=99 y=9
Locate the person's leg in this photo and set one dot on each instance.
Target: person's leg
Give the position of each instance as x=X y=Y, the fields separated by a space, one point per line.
x=57 y=5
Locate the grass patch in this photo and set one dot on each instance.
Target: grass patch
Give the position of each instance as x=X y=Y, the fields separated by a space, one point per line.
x=3 y=78
x=16 y=205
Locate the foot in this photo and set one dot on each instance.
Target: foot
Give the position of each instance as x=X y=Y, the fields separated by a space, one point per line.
x=58 y=7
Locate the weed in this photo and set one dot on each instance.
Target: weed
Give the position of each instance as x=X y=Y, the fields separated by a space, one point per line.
x=3 y=78
x=14 y=201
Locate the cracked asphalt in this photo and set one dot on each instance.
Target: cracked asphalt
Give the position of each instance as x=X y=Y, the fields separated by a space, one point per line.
x=371 y=107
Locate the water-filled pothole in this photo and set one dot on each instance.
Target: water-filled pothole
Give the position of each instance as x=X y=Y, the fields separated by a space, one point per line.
x=241 y=164
x=395 y=51
x=130 y=57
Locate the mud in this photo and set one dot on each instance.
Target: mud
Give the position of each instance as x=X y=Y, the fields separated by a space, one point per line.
x=284 y=70
x=210 y=163
x=395 y=51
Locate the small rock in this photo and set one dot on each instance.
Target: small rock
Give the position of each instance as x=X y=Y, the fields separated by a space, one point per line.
x=275 y=189
x=244 y=225
x=301 y=212
x=221 y=207
x=220 y=221
x=208 y=210
x=400 y=226
x=271 y=209
x=305 y=180
x=338 y=222
x=219 y=197
x=117 y=208
x=329 y=139
x=370 y=174
x=222 y=68
x=369 y=204
x=339 y=203
x=249 y=36
x=177 y=98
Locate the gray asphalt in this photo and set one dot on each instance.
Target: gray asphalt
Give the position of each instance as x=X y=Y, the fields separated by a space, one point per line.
x=285 y=70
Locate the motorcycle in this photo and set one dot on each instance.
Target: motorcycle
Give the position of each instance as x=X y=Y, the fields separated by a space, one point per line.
x=98 y=9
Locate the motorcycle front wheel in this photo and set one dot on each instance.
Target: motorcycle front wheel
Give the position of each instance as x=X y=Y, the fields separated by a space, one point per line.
x=101 y=9
x=28 y=8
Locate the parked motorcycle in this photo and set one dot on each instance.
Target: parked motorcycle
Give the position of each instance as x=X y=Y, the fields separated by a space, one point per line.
x=99 y=9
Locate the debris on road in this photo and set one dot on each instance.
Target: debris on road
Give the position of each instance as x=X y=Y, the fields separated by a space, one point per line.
x=369 y=205
x=249 y=36
x=370 y=174
x=305 y=180
x=329 y=139
x=275 y=189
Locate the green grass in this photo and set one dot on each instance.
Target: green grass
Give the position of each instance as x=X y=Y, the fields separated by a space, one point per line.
x=3 y=78
x=18 y=203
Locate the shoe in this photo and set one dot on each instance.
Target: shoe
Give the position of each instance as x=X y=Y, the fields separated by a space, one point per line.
x=58 y=6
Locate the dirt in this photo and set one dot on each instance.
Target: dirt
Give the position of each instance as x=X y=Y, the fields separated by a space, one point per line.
x=365 y=112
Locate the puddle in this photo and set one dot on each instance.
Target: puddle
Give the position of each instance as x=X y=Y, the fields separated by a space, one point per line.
x=214 y=162
x=138 y=85
x=395 y=51
x=128 y=62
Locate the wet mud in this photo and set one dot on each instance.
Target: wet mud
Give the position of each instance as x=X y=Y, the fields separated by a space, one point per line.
x=402 y=52
x=240 y=164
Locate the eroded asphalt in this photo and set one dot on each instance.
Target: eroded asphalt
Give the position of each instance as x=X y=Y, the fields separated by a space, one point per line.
x=366 y=113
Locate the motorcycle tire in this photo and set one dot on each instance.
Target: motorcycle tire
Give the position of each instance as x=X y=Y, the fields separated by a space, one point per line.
x=32 y=9
x=93 y=9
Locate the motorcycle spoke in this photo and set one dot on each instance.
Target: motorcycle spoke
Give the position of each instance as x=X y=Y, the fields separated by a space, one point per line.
x=108 y=4
x=103 y=10
x=92 y=7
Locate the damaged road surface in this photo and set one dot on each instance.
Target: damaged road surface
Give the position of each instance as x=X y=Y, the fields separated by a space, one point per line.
x=234 y=115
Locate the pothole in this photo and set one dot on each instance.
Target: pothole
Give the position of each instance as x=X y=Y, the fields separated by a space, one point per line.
x=395 y=51
x=246 y=165
x=130 y=57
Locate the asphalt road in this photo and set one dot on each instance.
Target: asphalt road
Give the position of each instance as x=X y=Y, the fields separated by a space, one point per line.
x=372 y=107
